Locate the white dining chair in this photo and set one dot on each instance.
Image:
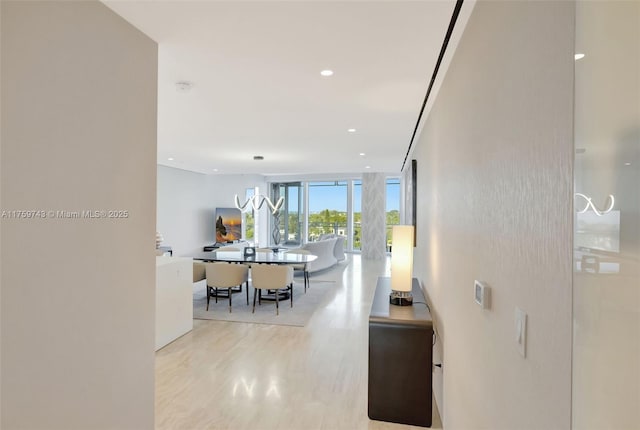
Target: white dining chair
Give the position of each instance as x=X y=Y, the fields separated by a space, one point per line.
x=199 y=271
x=271 y=277
x=302 y=267
x=225 y=276
x=228 y=249
x=234 y=249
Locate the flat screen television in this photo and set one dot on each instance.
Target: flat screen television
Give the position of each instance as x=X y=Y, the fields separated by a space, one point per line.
x=228 y=225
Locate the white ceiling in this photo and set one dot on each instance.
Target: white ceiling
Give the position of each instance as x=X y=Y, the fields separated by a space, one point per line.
x=257 y=88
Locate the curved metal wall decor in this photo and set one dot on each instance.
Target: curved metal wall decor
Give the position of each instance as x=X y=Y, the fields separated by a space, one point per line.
x=589 y=204
x=275 y=232
x=257 y=201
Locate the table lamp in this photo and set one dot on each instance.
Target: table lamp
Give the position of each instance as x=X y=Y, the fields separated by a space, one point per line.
x=401 y=265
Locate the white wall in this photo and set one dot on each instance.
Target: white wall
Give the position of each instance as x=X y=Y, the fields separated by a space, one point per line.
x=79 y=89
x=187 y=202
x=185 y=213
x=494 y=204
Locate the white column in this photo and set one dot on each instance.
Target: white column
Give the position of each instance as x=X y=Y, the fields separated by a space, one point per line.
x=373 y=216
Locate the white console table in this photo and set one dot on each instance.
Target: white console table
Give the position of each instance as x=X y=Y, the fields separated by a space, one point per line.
x=174 y=298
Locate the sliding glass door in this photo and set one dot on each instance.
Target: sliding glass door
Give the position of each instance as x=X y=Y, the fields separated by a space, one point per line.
x=287 y=224
x=330 y=207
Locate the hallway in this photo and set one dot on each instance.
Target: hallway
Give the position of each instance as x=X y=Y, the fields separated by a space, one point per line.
x=226 y=375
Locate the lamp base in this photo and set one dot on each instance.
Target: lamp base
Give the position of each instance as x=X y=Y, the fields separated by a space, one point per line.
x=401 y=298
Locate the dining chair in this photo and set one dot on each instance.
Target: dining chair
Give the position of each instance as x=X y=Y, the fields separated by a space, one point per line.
x=264 y=250
x=302 y=267
x=235 y=249
x=225 y=276
x=271 y=277
x=228 y=249
x=199 y=271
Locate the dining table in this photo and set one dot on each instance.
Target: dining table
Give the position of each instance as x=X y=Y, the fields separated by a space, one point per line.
x=279 y=257
x=272 y=257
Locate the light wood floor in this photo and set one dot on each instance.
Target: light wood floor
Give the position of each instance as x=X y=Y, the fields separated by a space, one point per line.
x=226 y=375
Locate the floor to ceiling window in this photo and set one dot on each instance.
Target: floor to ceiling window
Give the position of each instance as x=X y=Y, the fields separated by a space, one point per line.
x=357 y=215
x=392 y=207
x=316 y=208
x=290 y=217
x=327 y=209
x=248 y=223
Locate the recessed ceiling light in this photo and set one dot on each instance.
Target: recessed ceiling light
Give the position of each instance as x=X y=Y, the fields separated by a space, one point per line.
x=351 y=130
x=367 y=167
x=327 y=72
x=258 y=157
x=170 y=158
x=579 y=56
x=627 y=164
x=215 y=170
x=362 y=154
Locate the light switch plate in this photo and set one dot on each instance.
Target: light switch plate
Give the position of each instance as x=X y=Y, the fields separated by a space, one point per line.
x=482 y=294
x=521 y=331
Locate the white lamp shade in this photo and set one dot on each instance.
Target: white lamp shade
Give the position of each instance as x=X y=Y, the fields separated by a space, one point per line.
x=402 y=258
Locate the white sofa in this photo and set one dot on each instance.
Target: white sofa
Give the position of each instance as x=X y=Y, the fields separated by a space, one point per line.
x=338 y=250
x=324 y=250
x=329 y=250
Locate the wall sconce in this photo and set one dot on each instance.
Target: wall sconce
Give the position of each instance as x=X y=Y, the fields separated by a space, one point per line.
x=401 y=265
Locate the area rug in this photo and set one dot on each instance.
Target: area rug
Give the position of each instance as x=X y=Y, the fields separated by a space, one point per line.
x=304 y=304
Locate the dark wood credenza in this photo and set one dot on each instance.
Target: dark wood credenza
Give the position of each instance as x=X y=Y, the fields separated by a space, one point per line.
x=400 y=358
